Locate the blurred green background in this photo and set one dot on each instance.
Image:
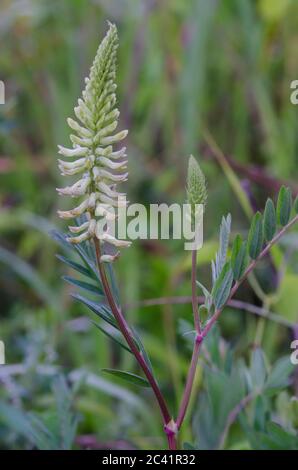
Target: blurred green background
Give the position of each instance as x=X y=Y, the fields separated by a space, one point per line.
x=210 y=78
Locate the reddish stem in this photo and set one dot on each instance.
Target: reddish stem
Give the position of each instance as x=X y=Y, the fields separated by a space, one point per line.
x=189 y=381
x=125 y=330
x=194 y=300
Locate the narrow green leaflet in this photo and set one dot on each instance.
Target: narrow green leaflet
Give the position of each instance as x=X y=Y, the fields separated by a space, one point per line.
x=203 y=314
x=113 y=282
x=84 y=256
x=62 y=240
x=221 y=255
x=279 y=375
x=296 y=205
x=207 y=295
x=112 y=335
x=129 y=377
x=101 y=310
x=84 y=285
x=222 y=287
x=76 y=266
x=255 y=236
x=258 y=368
x=284 y=205
x=269 y=221
x=238 y=258
x=141 y=348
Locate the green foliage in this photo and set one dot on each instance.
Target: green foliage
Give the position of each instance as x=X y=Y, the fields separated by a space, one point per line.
x=284 y=204
x=55 y=430
x=101 y=310
x=272 y=437
x=222 y=287
x=207 y=295
x=94 y=288
x=238 y=257
x=279 y=375
x=261 y=229
x=221 y=255
x=255 y=236
x=269 y=221
x=258 y=369
x=91 y=288
x=203 y=314
x=114 y=335
x=81 y=250
x=232 y=388
x=76 y=266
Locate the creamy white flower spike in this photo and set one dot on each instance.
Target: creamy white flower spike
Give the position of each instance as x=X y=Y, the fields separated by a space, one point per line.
x=92 y=155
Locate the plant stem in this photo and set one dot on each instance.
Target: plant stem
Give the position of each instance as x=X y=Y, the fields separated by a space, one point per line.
x=172 y=442
x=189 y=382
x=194 y=301
x=197 y=344
x=126 y=331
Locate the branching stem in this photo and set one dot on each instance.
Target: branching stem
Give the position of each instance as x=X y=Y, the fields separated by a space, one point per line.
x=189 y=381
x=170 y=426
x=200 y=337
x=194 y=301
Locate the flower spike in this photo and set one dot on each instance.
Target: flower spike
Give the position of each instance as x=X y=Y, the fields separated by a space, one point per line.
x=92 y=154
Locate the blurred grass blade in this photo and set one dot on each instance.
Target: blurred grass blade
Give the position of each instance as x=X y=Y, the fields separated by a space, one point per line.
x=30 y=427
x=230 y=175
x=31 y=277
x=296 y=205
x=193 y=73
